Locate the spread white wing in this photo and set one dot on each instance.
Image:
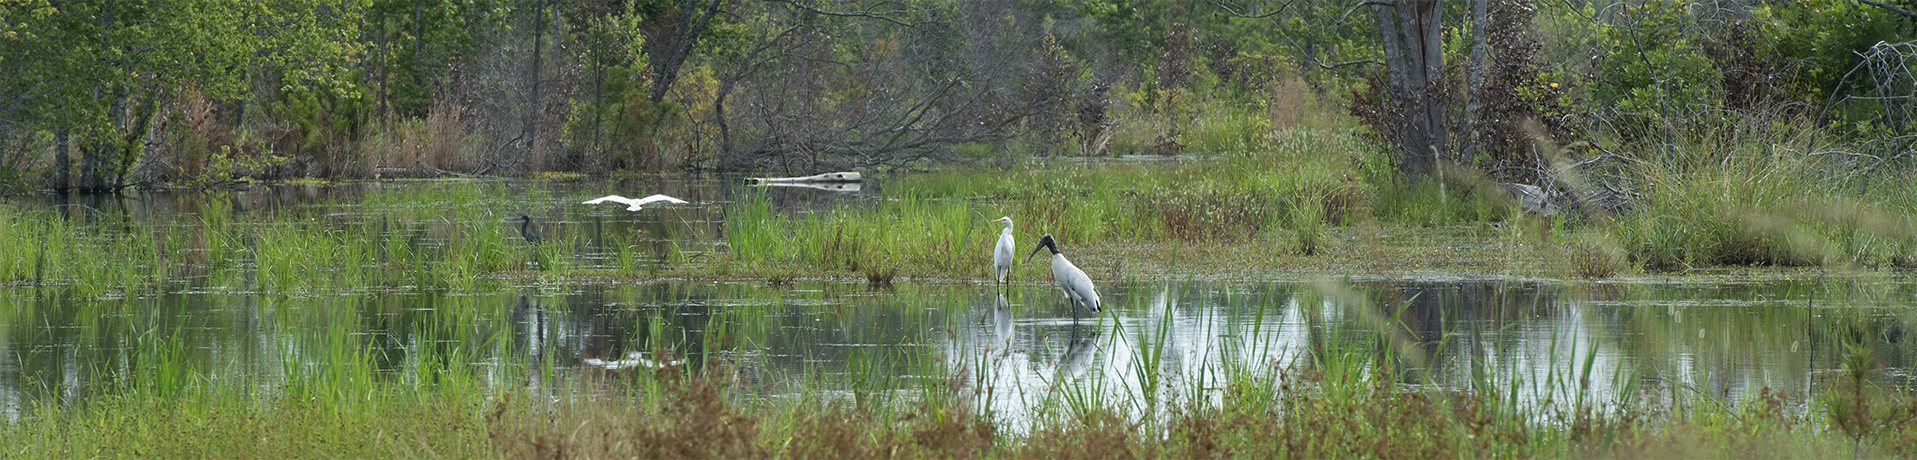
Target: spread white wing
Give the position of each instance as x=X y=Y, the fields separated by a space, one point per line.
x=634 y=205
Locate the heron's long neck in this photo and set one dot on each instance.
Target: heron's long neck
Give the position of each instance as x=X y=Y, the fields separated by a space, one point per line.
x=1008 y=229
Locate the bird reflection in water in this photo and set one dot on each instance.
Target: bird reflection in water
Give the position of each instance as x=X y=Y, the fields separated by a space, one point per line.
x=1001 y=317
x=633 y=359
x=1078 y=352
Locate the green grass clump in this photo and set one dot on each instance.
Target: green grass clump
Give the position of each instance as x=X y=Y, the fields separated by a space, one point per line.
x=909 y=236
x=1748 y=199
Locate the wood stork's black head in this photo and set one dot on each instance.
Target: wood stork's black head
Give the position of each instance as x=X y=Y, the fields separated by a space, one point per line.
x=1044 y=242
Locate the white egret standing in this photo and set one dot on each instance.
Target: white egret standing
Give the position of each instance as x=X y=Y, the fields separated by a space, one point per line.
x=1077 y=286
x=1003 y=254
x=632 y=204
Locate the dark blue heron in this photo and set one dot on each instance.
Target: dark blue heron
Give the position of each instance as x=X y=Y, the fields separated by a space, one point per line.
x=527 y=230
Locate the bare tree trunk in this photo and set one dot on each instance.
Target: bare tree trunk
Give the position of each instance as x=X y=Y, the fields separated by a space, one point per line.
x=719 y=115
x=138 y=146
x=416 y=51
x=1414 y=59
x=60 y=162
x=385 y=72
x=598 y=94
x=1474 y=79
x=102 y=146
x=532 y=99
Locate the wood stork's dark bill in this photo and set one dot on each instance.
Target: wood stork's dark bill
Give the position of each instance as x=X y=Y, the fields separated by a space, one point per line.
x=1043 y=243
x=1073 y=281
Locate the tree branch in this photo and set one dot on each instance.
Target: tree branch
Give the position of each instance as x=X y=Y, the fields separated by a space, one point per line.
x=1341 y=17
x=1233 y=12
x=1892 y=8
x=1323 y=65
x=853 y=14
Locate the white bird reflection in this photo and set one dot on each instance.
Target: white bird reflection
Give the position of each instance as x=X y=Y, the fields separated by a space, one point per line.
x=1077 y=357
x=632 y=359
x=1001 y=318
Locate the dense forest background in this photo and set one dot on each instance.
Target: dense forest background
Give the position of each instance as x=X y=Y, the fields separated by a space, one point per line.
x=100 y=95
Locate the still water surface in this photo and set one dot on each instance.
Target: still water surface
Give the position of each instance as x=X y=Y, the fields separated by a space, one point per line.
x=1017 y=346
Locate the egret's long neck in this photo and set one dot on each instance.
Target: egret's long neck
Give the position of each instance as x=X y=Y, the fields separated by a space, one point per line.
x=1008 y=229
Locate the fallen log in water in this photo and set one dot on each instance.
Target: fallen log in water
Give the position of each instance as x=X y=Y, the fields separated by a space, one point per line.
x=827 y=177
x=827 y=186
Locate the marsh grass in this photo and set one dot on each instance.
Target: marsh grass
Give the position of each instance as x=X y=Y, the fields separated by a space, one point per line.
x=1278 y=185
x=908 y=236
x=1346 y=396
x=1762 y=197
x=1306 y=197
x=404 y=240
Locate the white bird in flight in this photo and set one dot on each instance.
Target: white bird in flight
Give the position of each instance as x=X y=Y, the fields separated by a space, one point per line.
x=1077 y=286
x=632 y=204
x=1002 y=255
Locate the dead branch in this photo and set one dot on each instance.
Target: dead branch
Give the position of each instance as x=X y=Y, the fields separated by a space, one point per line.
x=1893 y=9
x=1234 y=12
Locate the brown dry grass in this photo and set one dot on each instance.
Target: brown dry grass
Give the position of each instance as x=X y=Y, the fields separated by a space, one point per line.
x=424 y=147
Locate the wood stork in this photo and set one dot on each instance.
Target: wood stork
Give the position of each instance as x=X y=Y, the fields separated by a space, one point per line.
x=632 y=204
x=527 y=230
x=1077 y=286
x=1003 y=254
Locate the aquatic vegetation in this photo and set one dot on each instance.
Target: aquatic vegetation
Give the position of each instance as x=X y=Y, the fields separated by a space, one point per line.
x=334 y=393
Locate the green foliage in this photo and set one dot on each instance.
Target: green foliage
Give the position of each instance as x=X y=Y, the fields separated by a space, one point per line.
x=613 y=119
x=417 y=43
x=1654 y=73
x=1823 y=39
x=228 y=166
x=101 y=68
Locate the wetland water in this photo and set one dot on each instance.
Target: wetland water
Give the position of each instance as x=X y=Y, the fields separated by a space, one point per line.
x=1018 y=346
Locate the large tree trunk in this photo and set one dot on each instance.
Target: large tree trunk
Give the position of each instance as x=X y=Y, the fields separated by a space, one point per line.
x=1411 y=34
